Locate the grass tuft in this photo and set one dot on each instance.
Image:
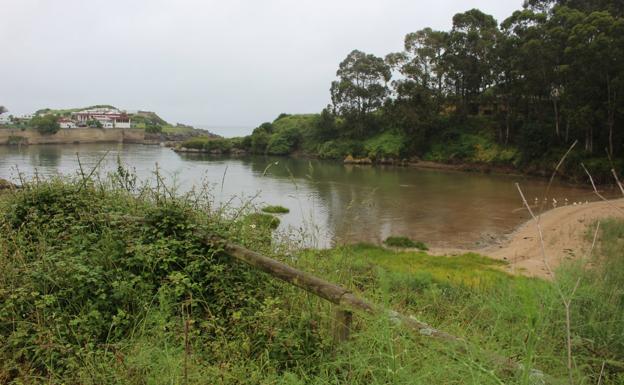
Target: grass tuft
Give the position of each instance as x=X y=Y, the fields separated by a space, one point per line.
x=405 y=242
x=276 y=209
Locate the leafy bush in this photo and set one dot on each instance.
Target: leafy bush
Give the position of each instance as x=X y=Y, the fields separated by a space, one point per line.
x=283 y=141
x=46 y=124
x=80 y=275
x=208 y=144
x=405 y=242
x=263 y=220
x=338 y=149
x=153 y=128
x=386 y=145
x=477 y=148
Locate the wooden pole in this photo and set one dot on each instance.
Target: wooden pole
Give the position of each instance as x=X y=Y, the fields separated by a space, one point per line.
x=333 y=293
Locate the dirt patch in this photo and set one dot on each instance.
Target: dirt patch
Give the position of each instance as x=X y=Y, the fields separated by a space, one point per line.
x=565 y=231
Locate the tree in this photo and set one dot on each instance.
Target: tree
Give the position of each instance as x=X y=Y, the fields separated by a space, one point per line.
x=46 y=124
x=425 y=50
x=361 y=88
x=3 y=109
x=325 y=126
x=470 y=53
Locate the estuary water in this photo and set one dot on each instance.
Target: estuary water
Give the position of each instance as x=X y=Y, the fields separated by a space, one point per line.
x=330 y=203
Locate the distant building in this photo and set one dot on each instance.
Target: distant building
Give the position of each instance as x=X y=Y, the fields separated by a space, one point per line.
x=5 y=119
x=67 y=123
x=108 y=117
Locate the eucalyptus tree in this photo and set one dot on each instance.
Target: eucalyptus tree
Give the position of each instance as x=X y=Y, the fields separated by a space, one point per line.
x=469 y=55
x=596 y=53
x=361 y=88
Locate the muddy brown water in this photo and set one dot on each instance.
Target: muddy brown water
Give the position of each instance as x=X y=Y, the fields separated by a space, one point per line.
x=330 y=203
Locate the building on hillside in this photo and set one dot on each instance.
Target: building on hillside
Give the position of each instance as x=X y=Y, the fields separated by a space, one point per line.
x=67 y=123
x=108 y=117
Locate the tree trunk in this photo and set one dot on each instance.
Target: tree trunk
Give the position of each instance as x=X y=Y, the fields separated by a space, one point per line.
x=556 y=108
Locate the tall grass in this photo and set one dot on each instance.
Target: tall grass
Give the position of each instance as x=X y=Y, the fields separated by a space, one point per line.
x=90 y=296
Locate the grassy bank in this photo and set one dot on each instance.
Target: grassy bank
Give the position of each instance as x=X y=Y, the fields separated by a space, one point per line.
x=91 y=295
x=471 y=143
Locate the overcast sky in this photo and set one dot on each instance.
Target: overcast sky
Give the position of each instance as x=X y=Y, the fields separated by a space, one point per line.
x=204 y=62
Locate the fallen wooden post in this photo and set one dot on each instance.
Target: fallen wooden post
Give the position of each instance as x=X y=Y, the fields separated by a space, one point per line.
x=333 y=293
x=345 y=299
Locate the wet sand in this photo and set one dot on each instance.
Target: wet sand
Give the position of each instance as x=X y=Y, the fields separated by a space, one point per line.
x=567 y=235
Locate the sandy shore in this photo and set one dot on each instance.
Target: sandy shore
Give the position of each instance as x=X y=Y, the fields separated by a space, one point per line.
x=565 y=231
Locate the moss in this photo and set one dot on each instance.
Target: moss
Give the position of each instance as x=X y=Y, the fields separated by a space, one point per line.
x=405 y=243
x=276 y=209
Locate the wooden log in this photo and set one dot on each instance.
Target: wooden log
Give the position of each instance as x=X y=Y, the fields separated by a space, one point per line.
x=333 y=293
x=342 y=324
x=347 y=300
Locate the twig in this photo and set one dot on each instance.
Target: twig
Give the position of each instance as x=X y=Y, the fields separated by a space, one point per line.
x=566 y=300
x=617 y=181
x=84 y=181
x=601 y=373
x=223 y=178
x=80 y=166
x=597 y=193
x=552 y=176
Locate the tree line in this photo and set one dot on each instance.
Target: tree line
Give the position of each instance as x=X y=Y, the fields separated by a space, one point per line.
x=549 y=74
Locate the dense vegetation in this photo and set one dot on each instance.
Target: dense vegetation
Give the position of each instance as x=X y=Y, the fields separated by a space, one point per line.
x=518 y=93
x=108 y=282
x=45 y=124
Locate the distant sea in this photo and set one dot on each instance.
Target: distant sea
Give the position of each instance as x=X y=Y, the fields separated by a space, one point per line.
x=227 y=131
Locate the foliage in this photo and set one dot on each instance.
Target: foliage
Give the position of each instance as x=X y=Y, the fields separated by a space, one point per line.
x=16 y=139
x=275 y=209
x=338 y=149
x=208 y=144
x=386 y=145
x=262 y=220
x=94 y=123
x=460 y=147
x=100 y=286
x=45 y=124
x=405 y=243
x=283 y=141
x=153 y=128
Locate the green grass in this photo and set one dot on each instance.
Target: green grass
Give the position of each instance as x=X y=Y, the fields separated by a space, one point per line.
x=178 y=130
x=405 y=243
x=276 y=209
x=90 y=296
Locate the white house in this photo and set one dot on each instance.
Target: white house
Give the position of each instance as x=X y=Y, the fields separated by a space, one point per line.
x=66 y=123
x=108 y=117
x=5 y=119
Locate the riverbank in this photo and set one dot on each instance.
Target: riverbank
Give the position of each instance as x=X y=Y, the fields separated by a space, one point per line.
x=567 y=232
x=152 y=302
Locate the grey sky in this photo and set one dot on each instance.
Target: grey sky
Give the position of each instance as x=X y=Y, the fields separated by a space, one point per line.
x=233 y=63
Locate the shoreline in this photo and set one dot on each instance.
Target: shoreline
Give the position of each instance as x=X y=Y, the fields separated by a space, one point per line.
x=566 y=232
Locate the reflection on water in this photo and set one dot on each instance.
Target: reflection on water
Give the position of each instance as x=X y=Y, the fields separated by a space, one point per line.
x=332 y=202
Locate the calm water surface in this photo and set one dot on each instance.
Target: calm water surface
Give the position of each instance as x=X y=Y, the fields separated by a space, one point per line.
x=330 y=202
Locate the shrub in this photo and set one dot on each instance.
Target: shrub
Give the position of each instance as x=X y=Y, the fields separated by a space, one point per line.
x=338 y=149
x=46 y=124
x=153 y=128
x=388 y=144
x=283 y=142
x=208 y=144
